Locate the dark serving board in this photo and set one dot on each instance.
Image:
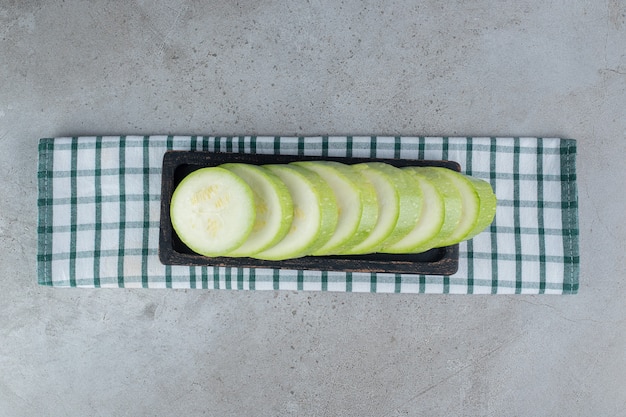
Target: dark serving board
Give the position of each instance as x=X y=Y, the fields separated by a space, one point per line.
x=178 y=164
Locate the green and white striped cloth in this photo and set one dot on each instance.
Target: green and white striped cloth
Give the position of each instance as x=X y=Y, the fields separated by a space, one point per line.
x=99 y=204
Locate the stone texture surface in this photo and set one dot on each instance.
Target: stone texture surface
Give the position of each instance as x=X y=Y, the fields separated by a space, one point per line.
x=470 y=67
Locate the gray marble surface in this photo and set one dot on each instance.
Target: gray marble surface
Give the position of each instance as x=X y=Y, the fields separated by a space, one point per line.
x=316 y=67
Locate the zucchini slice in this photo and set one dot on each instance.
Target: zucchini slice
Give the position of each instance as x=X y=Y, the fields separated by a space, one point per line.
x=470 y=205
x=357 y=205
x=212 y=211
x=430 y=221
x=452 y=204
x=273 y=206
x=314 y=213
x=488 y=204
x=399 y=205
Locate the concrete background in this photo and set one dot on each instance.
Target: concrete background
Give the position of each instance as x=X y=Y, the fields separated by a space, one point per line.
x=317 y=67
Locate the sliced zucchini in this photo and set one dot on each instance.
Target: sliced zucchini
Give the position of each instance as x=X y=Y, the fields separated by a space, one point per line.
x=212 y=211
x=357 y=204
x=488 y=203
x=398 y=205
x=470 y=204
x=411 y=200
x=430 y=221
x=273 y=206
x=284 y=211
x=452 y=204
x=314 y=213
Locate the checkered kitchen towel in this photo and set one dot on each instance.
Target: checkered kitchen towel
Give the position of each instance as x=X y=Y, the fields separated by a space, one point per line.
x=99 y=203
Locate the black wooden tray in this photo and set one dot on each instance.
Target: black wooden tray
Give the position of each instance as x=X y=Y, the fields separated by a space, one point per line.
x=178 y=164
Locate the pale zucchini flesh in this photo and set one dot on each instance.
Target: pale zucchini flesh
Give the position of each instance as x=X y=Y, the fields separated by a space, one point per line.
x=212 y=211
x=410 y=199
x=387 y=193
x=273 y=206
x=470 y=205
x=357 y=206
x=285 y=211
x=429 y=223
x=314 y=214
x=488 y=203
x=452 y=202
